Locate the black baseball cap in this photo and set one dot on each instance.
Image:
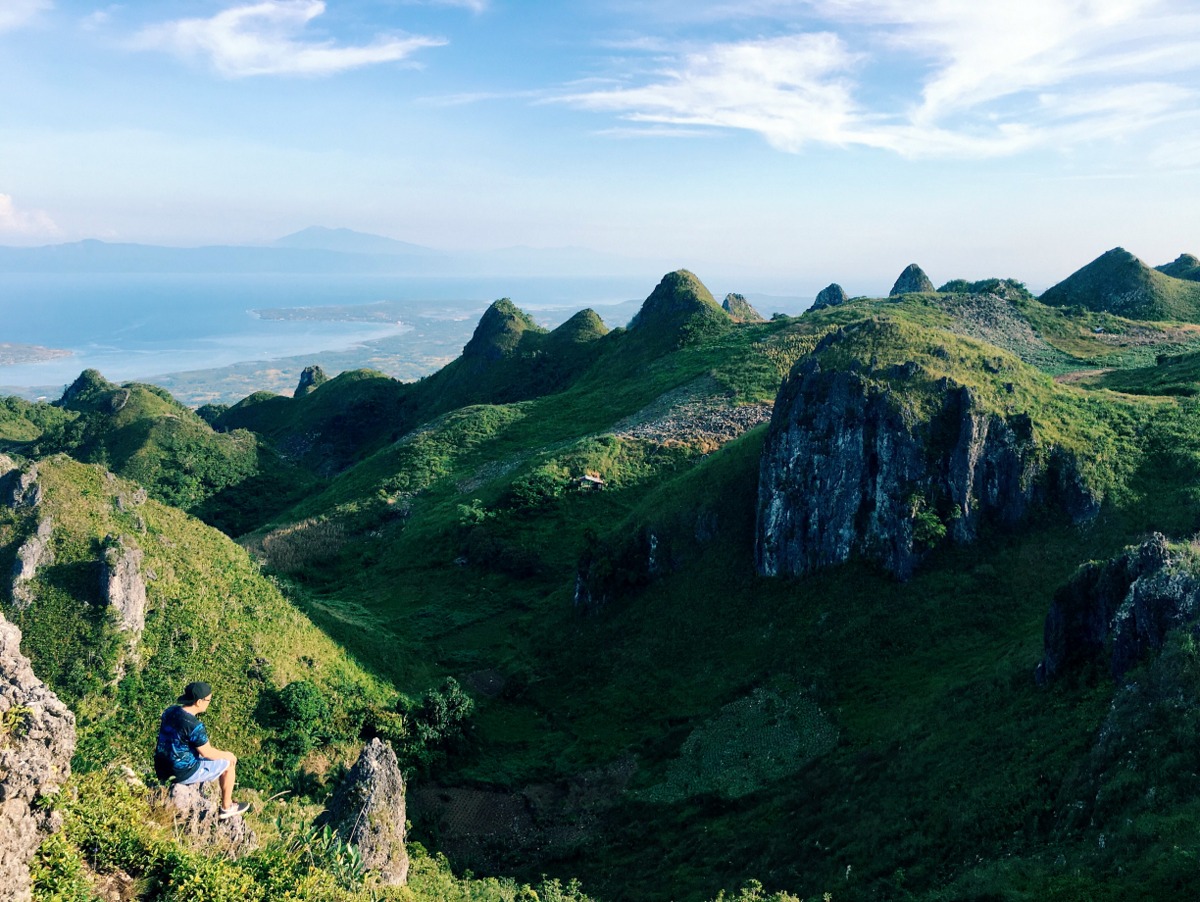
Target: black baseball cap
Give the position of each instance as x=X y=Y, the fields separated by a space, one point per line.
x=193 y=692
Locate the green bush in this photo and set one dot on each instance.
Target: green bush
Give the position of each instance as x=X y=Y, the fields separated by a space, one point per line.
x=304 y=718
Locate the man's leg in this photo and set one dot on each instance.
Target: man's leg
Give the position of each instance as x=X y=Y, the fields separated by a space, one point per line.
x=226 y=781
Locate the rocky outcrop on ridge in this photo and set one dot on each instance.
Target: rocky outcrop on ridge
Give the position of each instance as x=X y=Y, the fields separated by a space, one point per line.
x=37 y=739
x=1116 y=611
x=830 y=296
x=121 y=583
x=34 y=552
x=913 y=279
x=310 y=378
x=196 y=810
x=740 y=310
x=851 y=468
x=368 y=810
x=19 y=486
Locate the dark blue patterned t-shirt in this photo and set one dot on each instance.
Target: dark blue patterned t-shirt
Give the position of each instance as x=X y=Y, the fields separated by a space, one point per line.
x=179 y=735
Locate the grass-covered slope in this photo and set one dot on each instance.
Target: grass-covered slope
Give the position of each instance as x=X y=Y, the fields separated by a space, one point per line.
x=1118 y=282
x=142 y=433
x=210 y=615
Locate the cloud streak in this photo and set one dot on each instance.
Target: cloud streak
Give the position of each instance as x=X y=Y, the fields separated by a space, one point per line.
x=16 y=14
x=267 y=38
x=992 y=79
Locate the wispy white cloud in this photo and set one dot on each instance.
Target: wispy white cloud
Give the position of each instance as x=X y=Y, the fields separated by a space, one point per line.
x=791 y=89
x=267 y=38
x=17 y=13
x=98 y=18
x=24 y=223
x=992 y=78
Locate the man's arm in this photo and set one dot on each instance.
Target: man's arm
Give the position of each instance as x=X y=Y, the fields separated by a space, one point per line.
x=214 y=754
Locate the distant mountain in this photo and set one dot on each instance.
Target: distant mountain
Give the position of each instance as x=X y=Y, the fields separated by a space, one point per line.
x=1118 y=282
x=315 y=250
x=347 y=241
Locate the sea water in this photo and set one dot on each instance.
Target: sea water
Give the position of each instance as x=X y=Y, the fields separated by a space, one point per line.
x=132 y=326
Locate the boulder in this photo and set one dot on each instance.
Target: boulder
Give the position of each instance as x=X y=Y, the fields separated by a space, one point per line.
x=37 y=739
x=913 y=279
x=196 y=811
x=368 y=810
x=829 y=296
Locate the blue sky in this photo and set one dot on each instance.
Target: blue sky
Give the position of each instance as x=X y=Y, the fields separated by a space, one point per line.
x=787 y=142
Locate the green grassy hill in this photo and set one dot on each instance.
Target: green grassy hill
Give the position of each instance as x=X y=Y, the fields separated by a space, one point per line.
x=1118 y=282
x=654 y=717
x=140 y=432
x=1185 y=266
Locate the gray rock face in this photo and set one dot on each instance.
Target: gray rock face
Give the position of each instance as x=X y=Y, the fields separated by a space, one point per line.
x=368 y=810
x=912 y=279
x=197 y=811
x=847 y=471
x=740 y=310
x=829 y=296
x=122 y=585
x=34 y=552
x=37 y=739
x=19 y=487
x=1119 y=610
x=310 y=378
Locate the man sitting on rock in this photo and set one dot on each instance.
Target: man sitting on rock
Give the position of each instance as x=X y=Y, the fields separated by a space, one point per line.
x=184 y=754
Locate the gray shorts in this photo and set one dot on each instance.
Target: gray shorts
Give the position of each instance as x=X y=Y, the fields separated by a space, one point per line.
x=208 y=770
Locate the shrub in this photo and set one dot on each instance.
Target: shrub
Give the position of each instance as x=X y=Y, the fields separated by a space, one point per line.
x=304 y=718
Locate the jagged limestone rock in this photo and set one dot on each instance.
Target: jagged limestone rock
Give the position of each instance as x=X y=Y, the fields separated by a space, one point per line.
x=913 y=279
x=34 y=552
x=197 y=811
x=122 y=585
x=829 y=296
x=740 y=310
x=1119 y=609
x=310 y=378
x=37 y=740
x=368 y=810
x=19 y=487
x=847 y=471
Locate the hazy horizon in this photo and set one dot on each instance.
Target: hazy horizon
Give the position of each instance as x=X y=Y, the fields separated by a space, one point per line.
x=803 y=140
